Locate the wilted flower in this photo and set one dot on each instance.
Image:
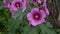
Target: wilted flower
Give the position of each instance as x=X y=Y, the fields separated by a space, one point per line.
x=36 y=1
x=36 y=16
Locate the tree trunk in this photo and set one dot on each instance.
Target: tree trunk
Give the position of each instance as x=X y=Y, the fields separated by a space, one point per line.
x=54 y=10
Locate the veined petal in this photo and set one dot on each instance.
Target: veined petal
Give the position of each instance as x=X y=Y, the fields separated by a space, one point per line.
x=43 y=15
x=29 y=16
x=35 y=10
x=35 y=23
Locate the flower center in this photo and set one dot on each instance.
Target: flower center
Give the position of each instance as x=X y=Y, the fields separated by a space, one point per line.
x=34 y=0
x=17 y=4
x=36 y=16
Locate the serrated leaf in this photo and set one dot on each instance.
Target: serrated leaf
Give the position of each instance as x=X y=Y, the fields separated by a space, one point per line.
x=25 y=30
x=43 y=28
x=12 y=24
x=50 y=31
x=18 y=14
x=46 y=29
x=33 y=31
x=2 y=18
x=48 y=25
x=58 y=30
x=1 y=5
x=11 y=32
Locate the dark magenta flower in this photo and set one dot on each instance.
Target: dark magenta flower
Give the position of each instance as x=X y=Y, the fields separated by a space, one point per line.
x=36 y=16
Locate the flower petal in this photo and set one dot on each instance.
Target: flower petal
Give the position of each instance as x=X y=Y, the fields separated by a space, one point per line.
x=46 y=10
x=6 y=4
x=13 y=5
x=14 y=8
x=35 y=23
x=29 y=16
x=42 y=12
x=25 y=4
x=34 y=2
x=12 y=12
x=39 y=1
x=35 y=10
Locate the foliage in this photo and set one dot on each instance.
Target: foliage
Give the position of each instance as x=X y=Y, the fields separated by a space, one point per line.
x=20 y=26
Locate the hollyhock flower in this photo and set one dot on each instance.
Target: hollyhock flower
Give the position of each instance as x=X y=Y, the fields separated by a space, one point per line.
x=36 y=1
x=15 y=5
x=6 y=4
x=36 y=16
x=25 y=4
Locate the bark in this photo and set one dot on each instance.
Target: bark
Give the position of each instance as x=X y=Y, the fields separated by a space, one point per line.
x=54 y=10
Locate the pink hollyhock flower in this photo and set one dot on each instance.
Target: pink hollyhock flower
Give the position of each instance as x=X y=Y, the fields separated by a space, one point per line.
x=25 y=4
x=36 y=1
x=15 y=5
x=36 y=16
x=6 y=4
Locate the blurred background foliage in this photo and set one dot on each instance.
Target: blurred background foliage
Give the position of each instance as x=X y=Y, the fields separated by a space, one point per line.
x=20 y=25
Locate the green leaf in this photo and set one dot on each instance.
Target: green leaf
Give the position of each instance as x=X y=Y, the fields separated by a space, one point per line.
x=9 y=1
x=1 y=5
x=27 y=30
x=58 y=30
x=1 y=32
x=47 y=28
x=7 y=13
x=33 y=31
x=51 y=31
x=2 y=18
x=47 y=24
x=18 y=14
x=43 y=28
x=29 y=8
x=12 y=25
